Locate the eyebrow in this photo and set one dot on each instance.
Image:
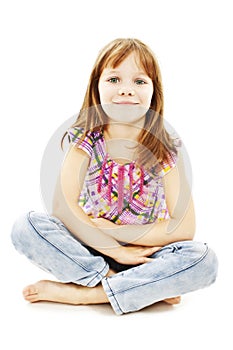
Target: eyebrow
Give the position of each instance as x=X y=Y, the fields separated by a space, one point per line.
x=115 y=71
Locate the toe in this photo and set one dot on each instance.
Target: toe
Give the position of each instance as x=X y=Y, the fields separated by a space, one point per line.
x=177 y=300
x=30 y=293
x=30 y=290
x=32 y=298
x=172 y=301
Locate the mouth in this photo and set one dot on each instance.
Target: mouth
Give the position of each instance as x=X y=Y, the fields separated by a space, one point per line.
x=125 y=103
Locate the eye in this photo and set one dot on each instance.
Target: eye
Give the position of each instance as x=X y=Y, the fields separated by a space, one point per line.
x=113 y=80
x=140 y=82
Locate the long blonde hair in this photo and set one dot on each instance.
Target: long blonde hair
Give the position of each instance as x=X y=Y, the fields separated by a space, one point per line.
x=153 y=138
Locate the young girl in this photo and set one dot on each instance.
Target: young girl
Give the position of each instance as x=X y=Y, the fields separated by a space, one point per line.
x=123 y=218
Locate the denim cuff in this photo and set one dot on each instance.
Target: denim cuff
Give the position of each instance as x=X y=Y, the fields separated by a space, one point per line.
x=99 y=276
x=111 y=296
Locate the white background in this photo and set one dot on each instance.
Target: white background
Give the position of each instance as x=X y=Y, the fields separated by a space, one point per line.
x=47 y=51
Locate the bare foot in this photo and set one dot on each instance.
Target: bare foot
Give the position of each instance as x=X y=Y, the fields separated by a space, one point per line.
x=70 y=293
x=67 y=293
x=173 y=301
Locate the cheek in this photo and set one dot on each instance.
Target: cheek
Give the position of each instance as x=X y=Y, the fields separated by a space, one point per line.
x=100 y=89
x=105 y=93
x=147 y=96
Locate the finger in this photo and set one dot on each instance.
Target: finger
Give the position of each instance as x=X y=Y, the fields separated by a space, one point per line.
x=151 y=250
x=155 y=249
x=144 y=260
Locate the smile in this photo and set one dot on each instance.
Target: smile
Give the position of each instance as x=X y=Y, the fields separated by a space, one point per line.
x=125 y=103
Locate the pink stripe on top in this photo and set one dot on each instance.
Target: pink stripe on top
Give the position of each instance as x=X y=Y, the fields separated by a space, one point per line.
x=124 y=194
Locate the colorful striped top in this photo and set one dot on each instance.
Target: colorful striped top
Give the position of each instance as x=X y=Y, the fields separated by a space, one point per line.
x=124 y=194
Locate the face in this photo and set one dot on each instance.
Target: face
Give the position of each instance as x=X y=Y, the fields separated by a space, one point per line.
x=125 y=91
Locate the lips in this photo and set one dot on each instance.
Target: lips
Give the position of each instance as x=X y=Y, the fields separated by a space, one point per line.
x=125 y=102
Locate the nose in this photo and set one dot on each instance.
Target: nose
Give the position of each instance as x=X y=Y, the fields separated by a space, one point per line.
x=126 y=92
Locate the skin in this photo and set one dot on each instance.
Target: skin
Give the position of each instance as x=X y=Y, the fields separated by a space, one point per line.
x=125 y=86
x=70 y=293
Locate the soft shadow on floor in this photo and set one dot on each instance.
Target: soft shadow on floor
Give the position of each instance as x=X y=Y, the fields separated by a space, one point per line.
x=101 y=309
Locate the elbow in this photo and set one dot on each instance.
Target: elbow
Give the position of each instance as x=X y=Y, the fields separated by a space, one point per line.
x=188 y=235
x=184 y=229
x=187 y=229
x=187 y=225
x=181 y=232
x=192 y=230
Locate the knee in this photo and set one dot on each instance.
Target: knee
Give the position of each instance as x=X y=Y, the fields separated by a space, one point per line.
x=23 y=233
x=206 y=265
x=201 y=260
x=20 y=231
x=210 y=267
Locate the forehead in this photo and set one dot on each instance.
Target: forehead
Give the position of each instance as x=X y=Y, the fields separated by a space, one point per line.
x=131 y=62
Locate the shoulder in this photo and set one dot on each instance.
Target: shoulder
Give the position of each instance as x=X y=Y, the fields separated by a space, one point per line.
x=177 y=188
x=173 y=158
x=84 y=140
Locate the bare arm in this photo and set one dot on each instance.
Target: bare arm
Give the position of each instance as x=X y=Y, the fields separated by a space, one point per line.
x=181 y=225
x=66 y=208
x=65 y=204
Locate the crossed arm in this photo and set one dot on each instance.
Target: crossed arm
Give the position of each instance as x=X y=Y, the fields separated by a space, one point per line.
x=180 y=226
x=104 y=235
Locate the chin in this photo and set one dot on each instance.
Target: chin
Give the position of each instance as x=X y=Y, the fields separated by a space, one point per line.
x=125 y=113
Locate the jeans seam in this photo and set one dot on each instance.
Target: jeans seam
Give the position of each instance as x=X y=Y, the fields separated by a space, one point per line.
x=113 y=295
x=99 y=274
x=167 y=276
x=54 y=245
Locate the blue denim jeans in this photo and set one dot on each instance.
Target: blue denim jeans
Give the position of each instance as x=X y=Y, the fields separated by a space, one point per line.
x=176 y=269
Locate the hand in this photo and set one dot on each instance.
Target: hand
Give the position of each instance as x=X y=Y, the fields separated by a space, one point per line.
x=133 y=255
x=103 y=223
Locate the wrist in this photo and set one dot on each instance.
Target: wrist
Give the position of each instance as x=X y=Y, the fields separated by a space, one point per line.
x=112 y=252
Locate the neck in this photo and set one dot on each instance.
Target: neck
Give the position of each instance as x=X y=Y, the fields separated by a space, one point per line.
x=123 y=131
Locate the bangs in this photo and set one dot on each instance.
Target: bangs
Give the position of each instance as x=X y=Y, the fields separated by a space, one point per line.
x=153 y=132
x=122 y=49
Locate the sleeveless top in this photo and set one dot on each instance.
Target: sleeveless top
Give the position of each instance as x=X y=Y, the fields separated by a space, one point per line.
x=124 y=194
